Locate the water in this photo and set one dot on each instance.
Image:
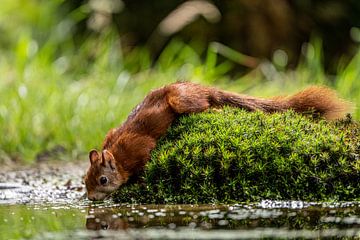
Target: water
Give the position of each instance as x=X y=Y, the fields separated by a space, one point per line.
x=44 y=203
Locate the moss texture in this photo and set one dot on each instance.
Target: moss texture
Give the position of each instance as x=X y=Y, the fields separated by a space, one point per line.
x=235 y=156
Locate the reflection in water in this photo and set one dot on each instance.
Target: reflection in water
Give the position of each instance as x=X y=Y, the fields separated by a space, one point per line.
x=159 y=216
x=267 y=219
x=296 y=218
x=105 y=219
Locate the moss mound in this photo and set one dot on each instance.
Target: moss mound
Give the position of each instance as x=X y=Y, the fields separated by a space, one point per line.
x=236 y=156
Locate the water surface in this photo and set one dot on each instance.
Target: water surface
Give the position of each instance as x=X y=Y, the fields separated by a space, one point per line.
x=43 y=202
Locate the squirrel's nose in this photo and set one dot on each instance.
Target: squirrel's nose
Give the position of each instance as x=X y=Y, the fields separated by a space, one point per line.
x=91 y=197
x=96 y=196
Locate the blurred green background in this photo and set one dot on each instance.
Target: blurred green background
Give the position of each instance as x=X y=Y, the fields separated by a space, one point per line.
x=71 y=70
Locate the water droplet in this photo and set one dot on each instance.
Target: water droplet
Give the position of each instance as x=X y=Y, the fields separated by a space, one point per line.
x=182 y=212
x=223 y=222
x=172 y=225
x=192 y=225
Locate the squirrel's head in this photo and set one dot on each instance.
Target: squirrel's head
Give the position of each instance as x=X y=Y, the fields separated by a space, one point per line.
x=103 y=176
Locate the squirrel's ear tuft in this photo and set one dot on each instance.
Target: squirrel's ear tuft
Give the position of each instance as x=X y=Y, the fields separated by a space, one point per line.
x=106 y=154
x=108 y=159
x=94 y=156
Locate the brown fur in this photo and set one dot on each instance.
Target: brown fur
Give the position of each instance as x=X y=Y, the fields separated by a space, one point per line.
x=126 y=149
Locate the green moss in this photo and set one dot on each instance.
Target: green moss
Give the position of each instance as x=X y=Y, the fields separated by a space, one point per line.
x=236 y=156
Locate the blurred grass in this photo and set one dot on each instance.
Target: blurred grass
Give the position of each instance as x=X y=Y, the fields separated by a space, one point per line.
x=54 y=93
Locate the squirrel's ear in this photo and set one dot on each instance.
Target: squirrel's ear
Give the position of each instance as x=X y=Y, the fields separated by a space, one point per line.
x=108 y=159
x=94 y=156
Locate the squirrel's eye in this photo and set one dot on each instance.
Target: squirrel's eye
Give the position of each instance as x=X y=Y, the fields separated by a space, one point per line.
x=103 y=180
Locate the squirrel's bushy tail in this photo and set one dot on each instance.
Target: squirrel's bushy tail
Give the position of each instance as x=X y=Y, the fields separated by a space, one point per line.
x=313 y=100
x=319 y=101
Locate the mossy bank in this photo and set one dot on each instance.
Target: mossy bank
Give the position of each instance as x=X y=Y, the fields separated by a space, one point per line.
x=235 y=156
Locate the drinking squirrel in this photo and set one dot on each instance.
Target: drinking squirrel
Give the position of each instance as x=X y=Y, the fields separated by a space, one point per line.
x=126 y=149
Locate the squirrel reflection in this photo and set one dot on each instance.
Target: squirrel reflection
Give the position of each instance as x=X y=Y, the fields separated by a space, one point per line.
x=104 y=219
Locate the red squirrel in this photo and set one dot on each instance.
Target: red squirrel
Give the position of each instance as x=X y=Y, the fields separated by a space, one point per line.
x=126 y=149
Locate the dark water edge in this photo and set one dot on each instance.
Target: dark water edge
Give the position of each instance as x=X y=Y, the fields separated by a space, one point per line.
x=43 y=202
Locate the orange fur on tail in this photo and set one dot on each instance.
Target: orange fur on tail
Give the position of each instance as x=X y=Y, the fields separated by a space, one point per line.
x=321 y=101
x=316 y=100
